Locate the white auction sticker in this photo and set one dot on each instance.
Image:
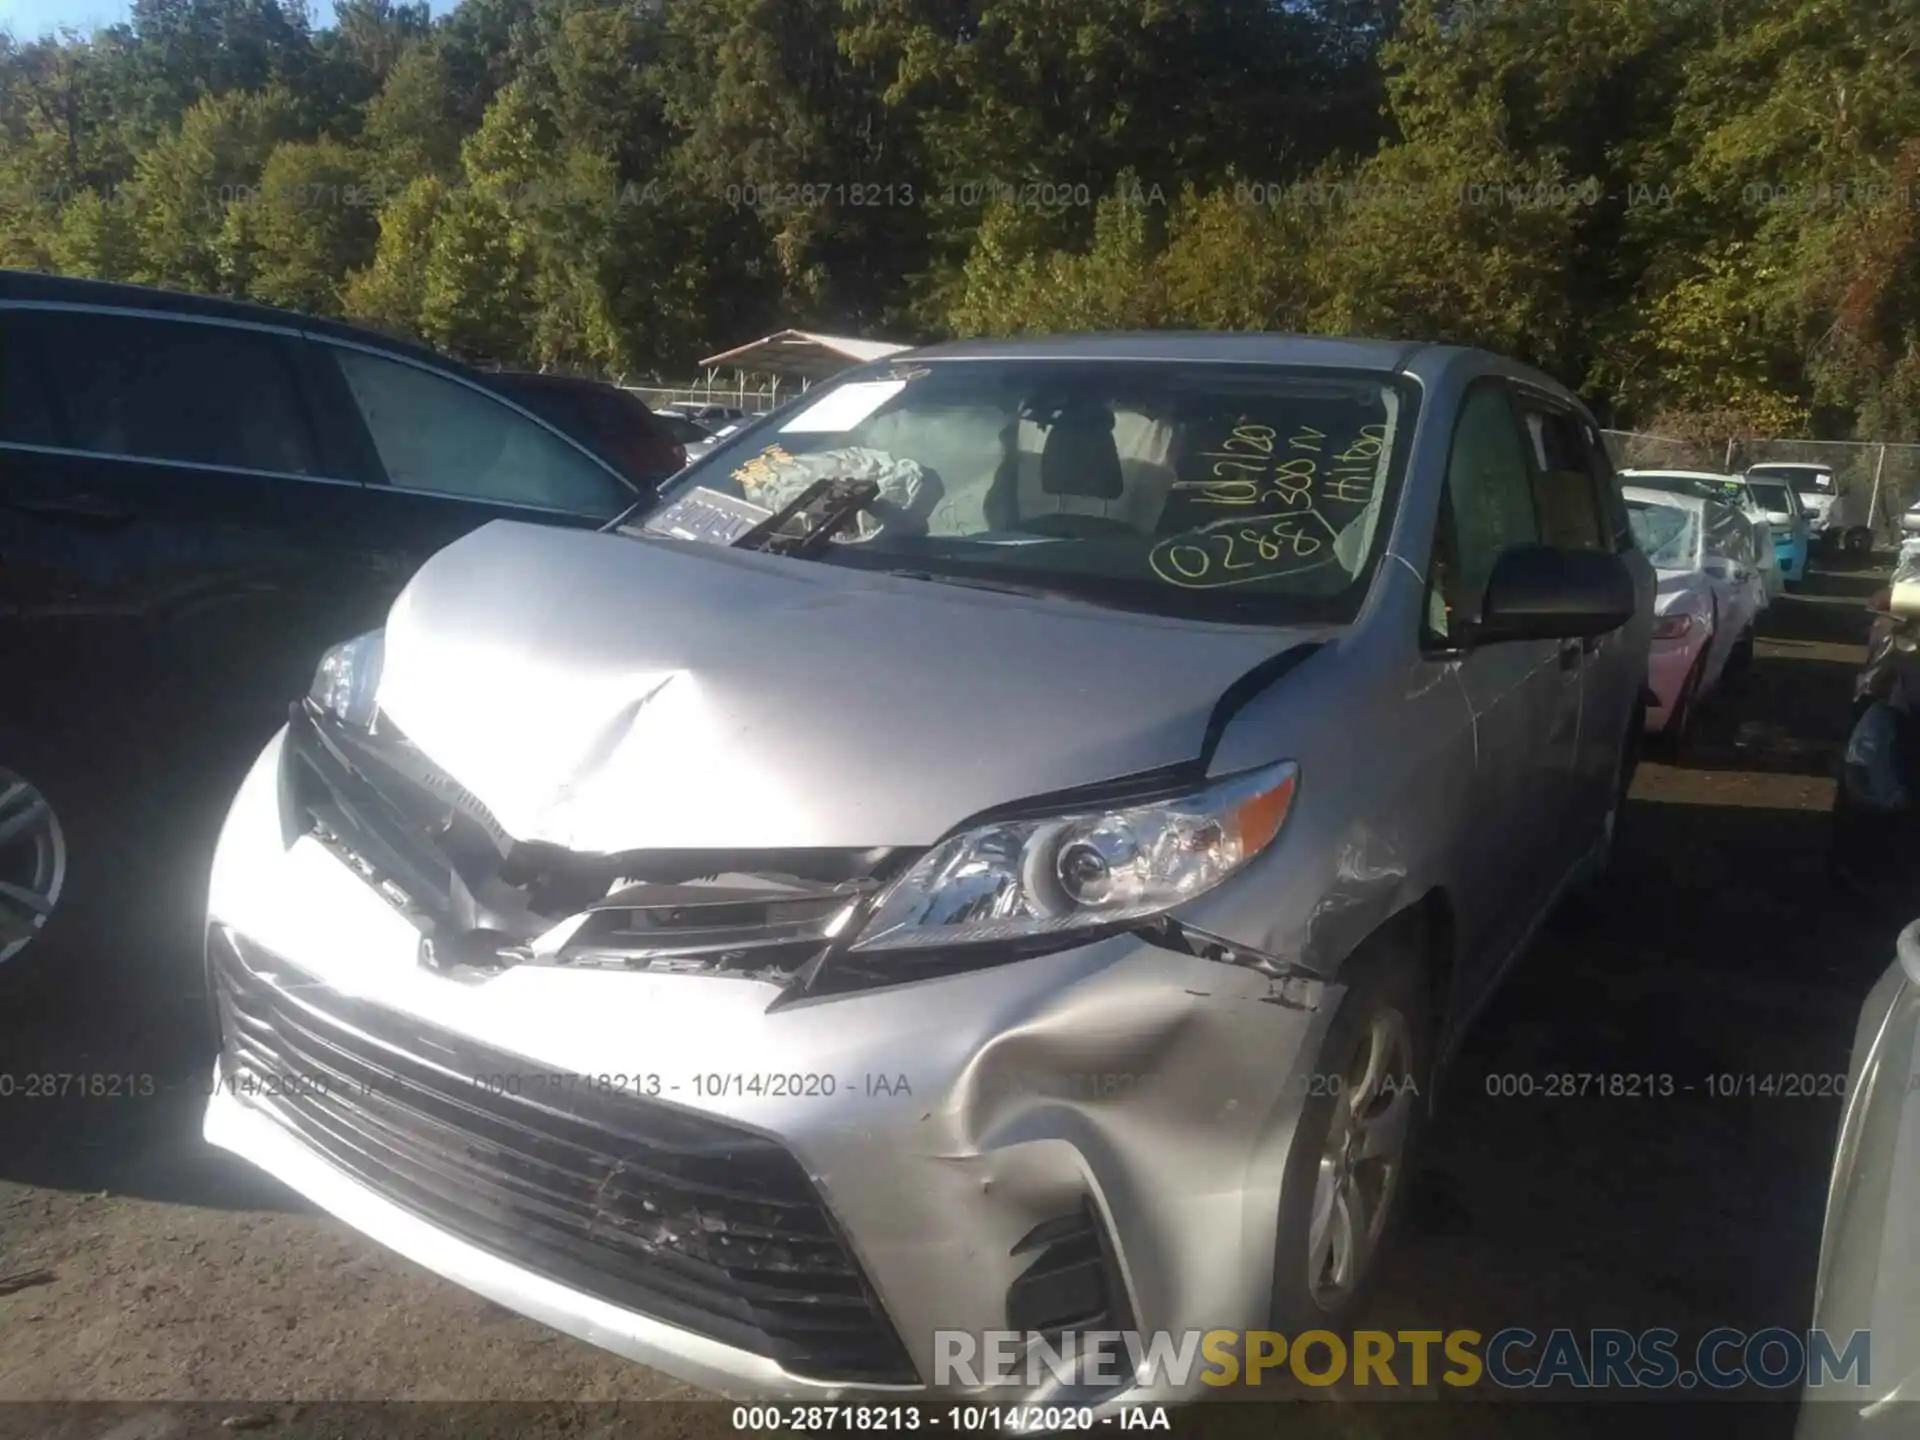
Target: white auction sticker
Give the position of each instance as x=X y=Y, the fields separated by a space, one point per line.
x=844 y=408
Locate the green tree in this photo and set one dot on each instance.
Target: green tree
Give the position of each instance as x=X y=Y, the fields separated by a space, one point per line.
x=389 y=290
x=412 y=127
x=186 y=180
x=310 y=221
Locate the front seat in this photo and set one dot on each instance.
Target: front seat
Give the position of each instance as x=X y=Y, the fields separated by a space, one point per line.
x=1080 y=478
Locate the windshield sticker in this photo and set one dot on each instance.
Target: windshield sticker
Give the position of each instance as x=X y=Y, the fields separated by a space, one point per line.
x=1267 y=504
x=709 y=516
x=843 y=408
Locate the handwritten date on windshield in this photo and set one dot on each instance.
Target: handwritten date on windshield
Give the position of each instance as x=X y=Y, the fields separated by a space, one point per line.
x=1282 y=505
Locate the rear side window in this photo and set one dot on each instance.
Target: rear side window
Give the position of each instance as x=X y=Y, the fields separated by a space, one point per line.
x=1564 y=481
x=164 y=389
x=24 y=417
x=434 y=433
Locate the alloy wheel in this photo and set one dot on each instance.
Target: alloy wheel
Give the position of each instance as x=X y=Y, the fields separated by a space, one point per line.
x=1361 y=1163
x=33 y=862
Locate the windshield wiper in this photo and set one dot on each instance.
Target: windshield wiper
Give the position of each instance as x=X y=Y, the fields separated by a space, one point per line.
x=823 y=510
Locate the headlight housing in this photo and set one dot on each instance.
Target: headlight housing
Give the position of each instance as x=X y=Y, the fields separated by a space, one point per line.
x=1672 y=627
x=348 y=678
x=1016 y=880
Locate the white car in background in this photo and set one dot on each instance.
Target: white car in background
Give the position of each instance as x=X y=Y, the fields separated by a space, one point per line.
x=1814 y=485
x=1709 y=594
x=1730 y=490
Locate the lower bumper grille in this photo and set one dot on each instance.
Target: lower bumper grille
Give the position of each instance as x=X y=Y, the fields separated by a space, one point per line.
x=676 y=1216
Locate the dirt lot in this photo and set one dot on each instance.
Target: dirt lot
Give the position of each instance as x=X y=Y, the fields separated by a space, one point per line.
x=176 y=1274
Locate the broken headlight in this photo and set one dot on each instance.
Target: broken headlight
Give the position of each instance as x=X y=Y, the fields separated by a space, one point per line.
x=1020 y=879
x=345 y=681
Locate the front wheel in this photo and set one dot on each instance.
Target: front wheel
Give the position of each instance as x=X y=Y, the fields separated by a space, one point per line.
x=1347 y=1171
x=33 y=862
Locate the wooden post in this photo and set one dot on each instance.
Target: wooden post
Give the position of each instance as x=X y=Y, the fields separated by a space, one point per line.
x=1729 y=466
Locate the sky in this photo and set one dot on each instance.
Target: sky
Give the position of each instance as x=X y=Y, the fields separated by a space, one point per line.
x=30 y=19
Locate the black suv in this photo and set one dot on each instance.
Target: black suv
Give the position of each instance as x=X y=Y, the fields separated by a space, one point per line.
x=197 y=497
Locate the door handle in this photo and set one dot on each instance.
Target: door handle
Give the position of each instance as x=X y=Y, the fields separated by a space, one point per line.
x=89 y=510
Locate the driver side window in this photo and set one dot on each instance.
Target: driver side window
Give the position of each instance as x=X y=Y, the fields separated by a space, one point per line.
x=1487 y=506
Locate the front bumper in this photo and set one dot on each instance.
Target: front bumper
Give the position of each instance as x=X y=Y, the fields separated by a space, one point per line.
x=942 y=1122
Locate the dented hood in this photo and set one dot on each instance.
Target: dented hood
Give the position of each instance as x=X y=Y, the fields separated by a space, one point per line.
x=607 y=693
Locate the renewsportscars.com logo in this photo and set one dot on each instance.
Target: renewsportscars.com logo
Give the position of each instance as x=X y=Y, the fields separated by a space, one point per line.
x=1513 y=1359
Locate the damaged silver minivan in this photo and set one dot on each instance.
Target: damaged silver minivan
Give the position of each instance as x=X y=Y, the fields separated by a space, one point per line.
x=1004 y=843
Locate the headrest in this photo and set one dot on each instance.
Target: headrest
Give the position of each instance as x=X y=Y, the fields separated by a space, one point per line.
x=1080 y=457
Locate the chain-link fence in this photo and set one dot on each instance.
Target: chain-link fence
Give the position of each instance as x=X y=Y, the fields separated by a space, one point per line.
x=1882 y=476
x=754 y=399
x=1633 y=450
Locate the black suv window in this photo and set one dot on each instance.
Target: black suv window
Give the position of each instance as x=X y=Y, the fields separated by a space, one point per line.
x=166 y=389
x=434 y=433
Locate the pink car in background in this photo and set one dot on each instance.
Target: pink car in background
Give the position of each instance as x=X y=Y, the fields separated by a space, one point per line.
x=1710 y=591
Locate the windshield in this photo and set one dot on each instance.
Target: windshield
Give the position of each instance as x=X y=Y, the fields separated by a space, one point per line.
x=1668 y=535
x=1802 y=477
x=1775 y=495
x=1259 y=493
x=1677 y=484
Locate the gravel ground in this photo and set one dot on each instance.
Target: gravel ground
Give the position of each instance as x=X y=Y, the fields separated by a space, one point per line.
x=173 y=1273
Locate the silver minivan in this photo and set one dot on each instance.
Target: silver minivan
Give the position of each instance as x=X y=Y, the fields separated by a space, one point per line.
x=1006 y=843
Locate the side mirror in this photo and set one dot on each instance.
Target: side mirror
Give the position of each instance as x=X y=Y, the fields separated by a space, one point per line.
x=1540 y=592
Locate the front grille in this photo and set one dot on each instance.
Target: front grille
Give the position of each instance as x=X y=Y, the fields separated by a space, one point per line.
x=434 y=852
x=659 y=1210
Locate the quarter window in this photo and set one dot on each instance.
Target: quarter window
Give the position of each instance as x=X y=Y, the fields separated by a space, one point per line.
x=434 y=433
x=1565 y=481
x=165 y=389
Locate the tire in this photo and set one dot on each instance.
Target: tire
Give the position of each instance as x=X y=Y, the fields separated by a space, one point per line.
x=1740 y=659
x=76 y=811
x=1385 y=1015
x=33 y=862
